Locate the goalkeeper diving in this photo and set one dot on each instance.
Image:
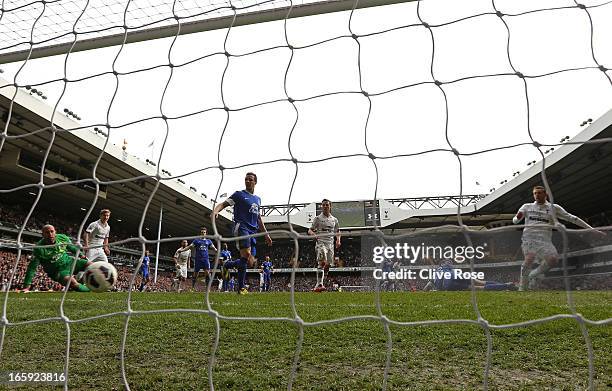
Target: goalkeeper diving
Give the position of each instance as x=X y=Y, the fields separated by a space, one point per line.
x=56 y=260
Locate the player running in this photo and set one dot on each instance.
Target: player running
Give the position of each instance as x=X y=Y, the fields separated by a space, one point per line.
x=200 y=246
x=96 y=236
x=144 y=269
x=267 y=269
x=56 y=261
x=536 y=241
x=247 y=221
x=181 y=264
x=327 y=225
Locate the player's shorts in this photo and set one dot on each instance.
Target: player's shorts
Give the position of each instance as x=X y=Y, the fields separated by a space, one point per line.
x=60 y=274
x=201 y=264
x=247 y=242
x=452 y=284
x=324 y=252
x=539 y=249
x=96 y=255
x=181 y=271
x=267 y=276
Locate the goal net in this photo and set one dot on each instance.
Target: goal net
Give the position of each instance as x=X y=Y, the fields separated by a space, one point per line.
x=173 y=102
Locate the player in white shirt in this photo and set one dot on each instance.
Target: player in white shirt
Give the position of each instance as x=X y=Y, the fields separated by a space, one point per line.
x=96 y=235
x=536 y=241
x=325 y=223
x=181 y=264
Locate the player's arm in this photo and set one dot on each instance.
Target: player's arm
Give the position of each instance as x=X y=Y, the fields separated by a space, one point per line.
x=188 y=248
x=212 y=247
x=262 y=228
x=564 y=215
x=31 y=271
x=105 y=247
x=73 y=249
x=312 y=231
x=87 y=234
x=338 y=236
x=519 y=215
x=218 y=208
x=175 y=257
x=85 y=239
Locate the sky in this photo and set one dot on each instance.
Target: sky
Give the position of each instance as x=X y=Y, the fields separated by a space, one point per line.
x=483 y=113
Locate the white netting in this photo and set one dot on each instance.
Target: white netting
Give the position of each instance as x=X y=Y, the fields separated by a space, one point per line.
x=31 y=23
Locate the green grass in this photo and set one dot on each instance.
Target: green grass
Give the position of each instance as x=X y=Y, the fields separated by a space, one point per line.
x=171 y=351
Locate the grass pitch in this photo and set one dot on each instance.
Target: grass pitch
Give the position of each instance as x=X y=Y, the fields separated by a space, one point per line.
x=171 y=350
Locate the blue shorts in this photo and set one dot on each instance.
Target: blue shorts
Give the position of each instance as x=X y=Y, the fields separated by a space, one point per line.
x=145 y=271
x=201 y=264
x=456 y=284
x=247 y=242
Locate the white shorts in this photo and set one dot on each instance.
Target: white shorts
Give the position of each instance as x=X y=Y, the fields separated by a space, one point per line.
x=541 y=250
x=324 y=252
x=96 y=255
x=181 y=271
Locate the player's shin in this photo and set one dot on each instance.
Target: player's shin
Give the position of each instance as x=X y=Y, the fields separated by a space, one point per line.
x=242 y=273
x=525 y=269
x=541 y=269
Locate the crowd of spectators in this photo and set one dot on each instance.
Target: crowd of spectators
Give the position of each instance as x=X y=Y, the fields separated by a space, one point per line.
x=502 y=247
x=40 y=282
x=13 y=216
x=282 y=281
x=281 y=254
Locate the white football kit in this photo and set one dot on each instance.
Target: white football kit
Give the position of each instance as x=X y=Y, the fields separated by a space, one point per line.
x=181 y=262
x=537 y=234
x=97 y=233
x=324 y=248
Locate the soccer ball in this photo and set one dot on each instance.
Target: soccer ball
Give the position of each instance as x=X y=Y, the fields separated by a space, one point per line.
x=100 y=276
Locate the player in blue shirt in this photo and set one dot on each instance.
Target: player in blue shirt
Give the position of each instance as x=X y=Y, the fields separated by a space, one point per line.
x=247 y=221
x=441 y=283
x=224 y=256
x=200 y=247
x=267 y=269
x=231 y=284
x=144 y=269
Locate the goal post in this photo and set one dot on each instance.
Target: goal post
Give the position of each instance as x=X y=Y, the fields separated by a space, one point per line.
x=277 y=10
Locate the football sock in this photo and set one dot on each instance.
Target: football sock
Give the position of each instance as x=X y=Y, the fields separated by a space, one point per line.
x=242 y=273
x=524 y=273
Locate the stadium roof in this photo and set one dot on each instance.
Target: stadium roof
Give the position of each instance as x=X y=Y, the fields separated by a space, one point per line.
x=579 y=173
x=68 y=173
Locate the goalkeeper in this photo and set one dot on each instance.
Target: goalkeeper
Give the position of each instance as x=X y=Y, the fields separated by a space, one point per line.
x=56 y=260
